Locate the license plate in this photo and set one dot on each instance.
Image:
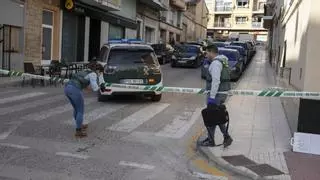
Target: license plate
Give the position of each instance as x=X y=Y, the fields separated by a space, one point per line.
x=182 y=62
x=132 y=81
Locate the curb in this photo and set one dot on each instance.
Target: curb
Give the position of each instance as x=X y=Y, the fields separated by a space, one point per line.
x=242 y=171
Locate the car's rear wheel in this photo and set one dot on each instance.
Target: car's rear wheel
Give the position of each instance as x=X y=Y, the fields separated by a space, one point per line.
x=156 y=98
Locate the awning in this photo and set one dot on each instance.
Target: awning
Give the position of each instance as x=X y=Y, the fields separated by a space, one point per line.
x=156 y=4
x=100 y=5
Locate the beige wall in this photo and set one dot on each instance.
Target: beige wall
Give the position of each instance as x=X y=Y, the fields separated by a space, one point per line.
x=33 y=29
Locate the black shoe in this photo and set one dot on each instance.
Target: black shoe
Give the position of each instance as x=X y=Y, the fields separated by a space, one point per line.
x=227 y=141
x=80 y=133
x=207 y=142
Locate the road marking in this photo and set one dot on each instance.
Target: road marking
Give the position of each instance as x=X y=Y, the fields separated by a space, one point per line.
x=67 y=154
x=178 y=128
x=14 y=146
x=38 y=116
x=20 y=97
x=137 y=165
x=6 y=92
x=4 y=135
x=19 y=107
x=135 y=120
x=208 y=176
x=98 y=113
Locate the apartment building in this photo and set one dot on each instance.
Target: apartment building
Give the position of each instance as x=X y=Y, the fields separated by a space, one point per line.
x=236 y=16
x=195 y=20
x=293 y=50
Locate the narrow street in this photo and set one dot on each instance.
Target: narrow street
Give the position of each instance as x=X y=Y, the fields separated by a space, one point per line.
x=129 y=138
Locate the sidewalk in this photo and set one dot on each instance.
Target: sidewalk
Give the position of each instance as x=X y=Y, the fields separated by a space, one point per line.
x=259 y=128
x=10 y=81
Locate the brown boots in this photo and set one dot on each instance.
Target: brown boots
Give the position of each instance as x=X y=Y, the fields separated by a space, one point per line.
x=81 y=132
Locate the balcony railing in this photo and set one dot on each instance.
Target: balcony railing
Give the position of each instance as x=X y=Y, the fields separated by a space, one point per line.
x=223 y=9
x=222 y=25
x=181 y=4
x=257 y=25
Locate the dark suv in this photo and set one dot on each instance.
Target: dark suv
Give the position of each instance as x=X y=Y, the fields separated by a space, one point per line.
x=164 y=52
x=130 y=62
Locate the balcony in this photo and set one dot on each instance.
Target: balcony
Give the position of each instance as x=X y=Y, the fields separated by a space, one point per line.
x=155 y=4
x=257 y=25
x=222 y=25
x=268 y=15
x=179 y=4
x=109 y=5
x=223 y=9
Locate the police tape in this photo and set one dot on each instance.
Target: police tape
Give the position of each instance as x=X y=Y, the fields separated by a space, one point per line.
x=269 y=92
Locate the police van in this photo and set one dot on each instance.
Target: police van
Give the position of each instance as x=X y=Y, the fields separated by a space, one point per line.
x=131 y=62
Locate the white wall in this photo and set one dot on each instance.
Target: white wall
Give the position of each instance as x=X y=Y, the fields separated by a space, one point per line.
x=104 y=36
x=131 y=33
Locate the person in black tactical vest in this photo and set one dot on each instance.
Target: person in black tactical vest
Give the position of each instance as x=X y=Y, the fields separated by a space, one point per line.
x=217 y=79
x=83 y=80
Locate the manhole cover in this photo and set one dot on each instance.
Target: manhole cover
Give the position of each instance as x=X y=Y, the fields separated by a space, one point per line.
x=238 y=160
x=264 y=170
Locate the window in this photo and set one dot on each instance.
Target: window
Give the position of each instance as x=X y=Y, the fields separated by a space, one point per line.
x=11 y=37
x=149 y=35
x=132 y=57
x=116 y=32
x=47 y=34
x=243 y=3
x=241 y=20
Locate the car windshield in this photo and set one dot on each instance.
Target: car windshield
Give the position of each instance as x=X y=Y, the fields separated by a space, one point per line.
x=239 y=44
x=219 y=44
x=131 y=57
x=232 y=56
x=158 y=47
x=187 y=49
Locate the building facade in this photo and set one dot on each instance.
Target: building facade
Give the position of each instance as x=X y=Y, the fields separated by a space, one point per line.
x=294 y=38
x=171 y=20
x=195 y=20
x=148 y=16
x=236 y=16
x=12 y=28
x=95 y=22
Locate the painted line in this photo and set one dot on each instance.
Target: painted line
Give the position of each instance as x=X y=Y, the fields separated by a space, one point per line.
x=7 y=92
x=4 y=135
x=20 y=97
x=136 y=165
x=38 y=116
x=135 y=120
x=67 y=154
x=178 y=128
x=19 y=107
x=97 y=113
x=14 y=146
x=208 y=176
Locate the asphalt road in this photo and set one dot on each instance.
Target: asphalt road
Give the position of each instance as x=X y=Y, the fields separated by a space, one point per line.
x=128 y=138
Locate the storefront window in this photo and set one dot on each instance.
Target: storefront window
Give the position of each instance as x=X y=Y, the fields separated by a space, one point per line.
x=116 y=32
x=47 y=33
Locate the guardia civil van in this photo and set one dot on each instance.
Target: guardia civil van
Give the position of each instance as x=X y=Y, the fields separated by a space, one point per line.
x=130 y=61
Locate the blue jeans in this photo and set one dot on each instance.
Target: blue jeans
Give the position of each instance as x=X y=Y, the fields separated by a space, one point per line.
x=75 y=96
x=220 y=99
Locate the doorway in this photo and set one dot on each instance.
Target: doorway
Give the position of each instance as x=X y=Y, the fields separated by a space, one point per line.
x=94 y=38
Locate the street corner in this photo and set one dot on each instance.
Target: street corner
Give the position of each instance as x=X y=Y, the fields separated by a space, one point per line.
x=214 y=156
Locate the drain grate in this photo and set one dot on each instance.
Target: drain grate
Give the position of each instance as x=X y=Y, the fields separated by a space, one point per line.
x=238 y=160
x=264 y=170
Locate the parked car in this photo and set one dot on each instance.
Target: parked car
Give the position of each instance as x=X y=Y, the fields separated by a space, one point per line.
x=219 y=44
x=129 y=62
x=164 y=52
x=236 y=62
x=202 y=44
x=245 y=45
x=242 y=52
x=187 y=55
x=253 y=44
